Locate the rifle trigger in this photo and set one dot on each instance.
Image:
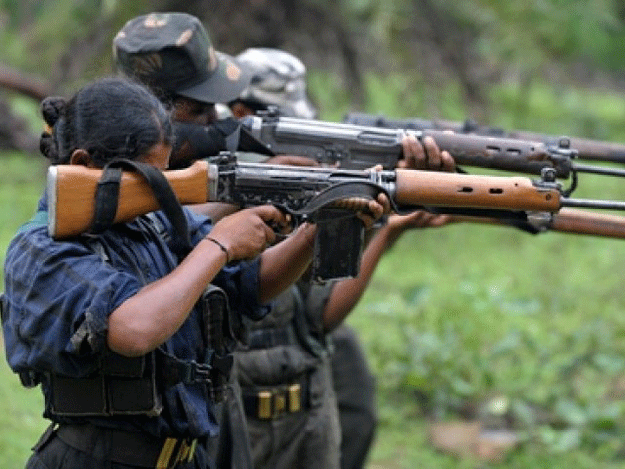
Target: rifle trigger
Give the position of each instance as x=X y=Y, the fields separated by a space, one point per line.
x=280 y=230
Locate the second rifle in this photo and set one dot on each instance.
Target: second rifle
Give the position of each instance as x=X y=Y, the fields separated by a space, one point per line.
x=352 y=146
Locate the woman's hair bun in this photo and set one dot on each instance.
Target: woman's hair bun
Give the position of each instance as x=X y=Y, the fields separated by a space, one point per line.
x=52 y=108
x=47 y=147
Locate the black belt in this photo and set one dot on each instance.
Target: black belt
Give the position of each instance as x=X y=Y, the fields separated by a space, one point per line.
x=126 y=447
x=270 y=402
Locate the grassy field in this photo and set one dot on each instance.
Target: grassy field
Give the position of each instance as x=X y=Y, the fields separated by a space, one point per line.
x=21 y=183
x=454 y=317
x=464 y=313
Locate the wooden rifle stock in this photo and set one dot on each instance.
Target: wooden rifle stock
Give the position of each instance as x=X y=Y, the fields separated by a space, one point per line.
x=568 y=220
x=458 y=190
x=72 y=188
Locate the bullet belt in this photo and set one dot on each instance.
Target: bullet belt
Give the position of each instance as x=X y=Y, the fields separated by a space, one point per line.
x=125 y=447
x=270 y=402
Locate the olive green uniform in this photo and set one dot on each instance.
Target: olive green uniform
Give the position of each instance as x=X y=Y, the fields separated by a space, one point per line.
x=286 y=383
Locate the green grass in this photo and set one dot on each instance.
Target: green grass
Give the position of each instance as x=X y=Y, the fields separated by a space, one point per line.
x=457 y=314
x=21 y=183
x=20 y=419
x=477 y=311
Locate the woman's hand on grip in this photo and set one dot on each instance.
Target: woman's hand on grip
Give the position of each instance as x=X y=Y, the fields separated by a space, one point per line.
x=246 y=233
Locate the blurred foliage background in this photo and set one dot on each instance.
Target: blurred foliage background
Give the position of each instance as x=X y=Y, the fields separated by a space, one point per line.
x=425 y=45
x=460 y=322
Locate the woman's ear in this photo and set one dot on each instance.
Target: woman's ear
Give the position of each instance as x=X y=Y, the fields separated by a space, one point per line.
x=81 y=157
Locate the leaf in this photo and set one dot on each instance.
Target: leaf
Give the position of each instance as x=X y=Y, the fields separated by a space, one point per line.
x=510 y=342
x=606 y=417
x=571 y=412
x=609 y=363
x=524 y=413
x=566 y=440
x=422 y=382
x=462 y=387
x=526 y=307
x=418 y=295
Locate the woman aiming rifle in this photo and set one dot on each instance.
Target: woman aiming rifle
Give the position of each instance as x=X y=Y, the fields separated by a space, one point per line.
x=115 y=325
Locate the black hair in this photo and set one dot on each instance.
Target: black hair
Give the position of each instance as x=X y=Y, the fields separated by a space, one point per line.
x=109 y=118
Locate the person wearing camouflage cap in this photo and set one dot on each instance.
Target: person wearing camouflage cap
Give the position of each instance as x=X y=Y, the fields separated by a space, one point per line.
x=344 y=401
x=173 y=54
x=278 y=79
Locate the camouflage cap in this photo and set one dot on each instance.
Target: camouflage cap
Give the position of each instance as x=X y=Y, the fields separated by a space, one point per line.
x=278 y=79
x=174 y=53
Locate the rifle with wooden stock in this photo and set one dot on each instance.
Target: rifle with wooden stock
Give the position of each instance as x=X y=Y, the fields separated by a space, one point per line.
x=587 y=149
x=298 y=190
x=308 y=193
x=353 y=146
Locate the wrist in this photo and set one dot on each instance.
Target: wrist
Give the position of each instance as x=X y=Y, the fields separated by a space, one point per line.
x=220 y=245
x=390 y=233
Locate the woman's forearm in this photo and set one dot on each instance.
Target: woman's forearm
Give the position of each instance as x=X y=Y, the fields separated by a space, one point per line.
x=156 y=312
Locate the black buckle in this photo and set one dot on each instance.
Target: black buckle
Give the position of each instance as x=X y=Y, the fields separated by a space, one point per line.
x=198 y=372
x=175 y=371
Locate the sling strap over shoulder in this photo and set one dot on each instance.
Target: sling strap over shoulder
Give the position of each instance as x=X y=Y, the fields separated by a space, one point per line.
x=107 y=199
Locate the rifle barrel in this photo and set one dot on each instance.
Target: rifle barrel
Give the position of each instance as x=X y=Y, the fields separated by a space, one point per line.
x=603 y=170
x=585 y=222
x=587 y=149
x=591 y=203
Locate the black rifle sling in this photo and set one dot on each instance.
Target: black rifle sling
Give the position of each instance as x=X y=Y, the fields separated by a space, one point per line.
x=107 y=197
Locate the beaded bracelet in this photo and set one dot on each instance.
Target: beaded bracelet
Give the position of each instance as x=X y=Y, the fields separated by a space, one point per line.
x=221 y=246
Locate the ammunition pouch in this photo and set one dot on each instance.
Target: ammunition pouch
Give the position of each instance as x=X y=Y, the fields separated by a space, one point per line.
x=122 y=386
x=271 y=402
x=220 y=325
